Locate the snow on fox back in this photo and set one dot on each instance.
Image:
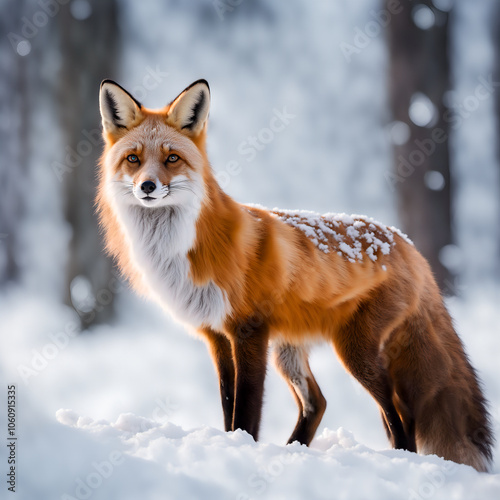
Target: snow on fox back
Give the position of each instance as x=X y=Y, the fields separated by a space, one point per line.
x=351 y=236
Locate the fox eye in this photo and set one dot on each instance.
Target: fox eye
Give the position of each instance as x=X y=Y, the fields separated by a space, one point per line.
x=133 y=158
x=172 y=158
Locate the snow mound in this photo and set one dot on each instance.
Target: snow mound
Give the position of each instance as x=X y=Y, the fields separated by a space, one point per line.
x=208 y=463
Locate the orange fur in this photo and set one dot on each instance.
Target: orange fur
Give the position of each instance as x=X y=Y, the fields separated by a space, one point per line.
x=382 y=310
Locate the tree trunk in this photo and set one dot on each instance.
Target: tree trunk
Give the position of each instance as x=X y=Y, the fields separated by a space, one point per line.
x=419 y=76
x=13 y=138
x=495 y=27
x=89 y=52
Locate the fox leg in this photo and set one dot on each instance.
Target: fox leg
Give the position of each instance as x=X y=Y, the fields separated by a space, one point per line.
x=358 y=349
x=249 y=346
x=291 y=361
x=406 y=415
x=386 y=427
x=220 y=349
x=408 y=426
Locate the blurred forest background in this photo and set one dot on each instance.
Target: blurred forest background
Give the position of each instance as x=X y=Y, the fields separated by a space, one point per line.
x=395 y=110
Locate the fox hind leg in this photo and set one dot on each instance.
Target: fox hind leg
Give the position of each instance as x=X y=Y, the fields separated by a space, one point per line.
x=292 y=363
x=358 y=349
x=377 y=384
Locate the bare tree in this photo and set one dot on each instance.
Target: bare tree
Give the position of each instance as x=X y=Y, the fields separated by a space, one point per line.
x=418 y=80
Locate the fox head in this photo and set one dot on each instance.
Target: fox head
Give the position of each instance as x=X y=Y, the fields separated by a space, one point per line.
x=154 y=158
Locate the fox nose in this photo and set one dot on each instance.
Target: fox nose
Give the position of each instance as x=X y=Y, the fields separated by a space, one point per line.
x=148 y=187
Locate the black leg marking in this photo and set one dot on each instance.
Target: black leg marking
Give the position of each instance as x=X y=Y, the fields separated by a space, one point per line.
x=220 y=349
x=250 y=358
x=291 y=362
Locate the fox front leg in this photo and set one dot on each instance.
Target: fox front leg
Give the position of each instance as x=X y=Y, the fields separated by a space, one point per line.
x=220 y=349
x=249 y=346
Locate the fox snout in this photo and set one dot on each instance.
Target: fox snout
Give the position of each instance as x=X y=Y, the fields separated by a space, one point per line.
x=150 y=191
x=148 y=187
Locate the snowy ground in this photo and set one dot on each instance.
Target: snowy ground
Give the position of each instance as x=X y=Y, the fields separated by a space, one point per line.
x=132 y=411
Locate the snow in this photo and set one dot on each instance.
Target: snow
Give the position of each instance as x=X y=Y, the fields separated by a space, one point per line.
x=132 y=411
x=352 y=236
x=231 y=465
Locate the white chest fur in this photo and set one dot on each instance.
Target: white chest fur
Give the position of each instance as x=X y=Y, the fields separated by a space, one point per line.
x=159 y=240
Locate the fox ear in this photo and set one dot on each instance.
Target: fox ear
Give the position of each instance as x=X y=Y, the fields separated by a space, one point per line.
x=119 y=110
x=189 y=110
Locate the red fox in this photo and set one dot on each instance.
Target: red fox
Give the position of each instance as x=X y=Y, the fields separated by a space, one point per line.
x=245 y=277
